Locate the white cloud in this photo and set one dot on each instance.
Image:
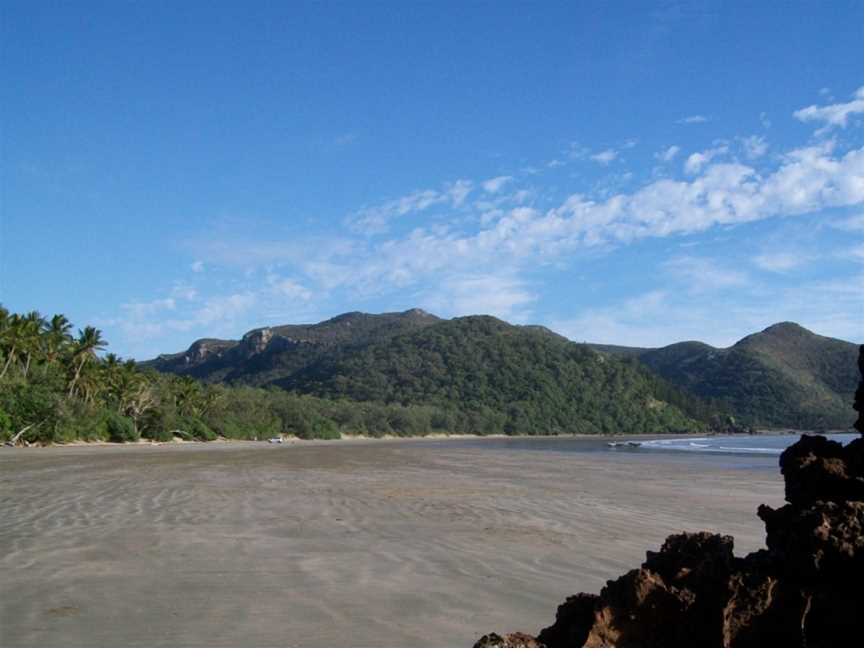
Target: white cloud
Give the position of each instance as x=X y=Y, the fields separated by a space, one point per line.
x=458 y=191
x=198 y=266
x=693 y=119
x=850 y=224
x=148 y=320
x=696 y=161
x=764 y=120
x=754 y=146
x=373 y=220
x=576 y=151
x=505 y=297
x=833 y=115
x=704 y=275
x=605 y=157
x=182 y=290
x=781 y=261
x=668 y=154
x=222 y=308
x=139 y=310
x=661 y=317
x=284 y=287
x=806 y=180
x=503 y=233
x=494 y=185
x=854 y=253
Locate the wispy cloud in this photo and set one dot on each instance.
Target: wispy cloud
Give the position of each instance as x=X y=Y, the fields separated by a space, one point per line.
x=696 y=161
x=850 y=224
x=605 y=157
x=754 y=146
x=701 y=275
x=833 y=115
x=693 y=119
x=782 y=261
x=494 y=185
x=512 y=226
x=373 y=220
x=507 y=297
x=669 y=154
x=660 y=317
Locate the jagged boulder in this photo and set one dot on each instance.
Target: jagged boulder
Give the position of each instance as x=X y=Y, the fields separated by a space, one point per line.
x=816 y=469
x=515 y=640
x=859 y=393
x=805 y=590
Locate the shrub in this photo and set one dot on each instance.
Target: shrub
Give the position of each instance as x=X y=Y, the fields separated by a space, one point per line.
x=197 y=428
x=121 y=429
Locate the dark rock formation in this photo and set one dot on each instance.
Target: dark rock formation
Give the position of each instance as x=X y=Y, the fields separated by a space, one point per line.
x=805 y=590
x=859 y=393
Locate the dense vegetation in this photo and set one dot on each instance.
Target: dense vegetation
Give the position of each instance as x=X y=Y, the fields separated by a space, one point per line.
x=54 y=387
x=784 y=376
x=520 y=380
x=474 y=375
x=266 y=355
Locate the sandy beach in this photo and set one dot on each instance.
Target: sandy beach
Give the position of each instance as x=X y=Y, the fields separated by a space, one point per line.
x=375 y=544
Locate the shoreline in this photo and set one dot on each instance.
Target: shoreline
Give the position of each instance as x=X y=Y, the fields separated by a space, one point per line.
x=362 y=439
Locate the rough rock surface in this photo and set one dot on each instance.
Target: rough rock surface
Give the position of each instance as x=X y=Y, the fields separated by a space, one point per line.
x=805 y=590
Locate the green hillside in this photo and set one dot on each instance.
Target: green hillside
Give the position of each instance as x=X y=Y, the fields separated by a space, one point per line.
x=784 y=376
x=268 y=354
x=528 y=379
x=520 y=380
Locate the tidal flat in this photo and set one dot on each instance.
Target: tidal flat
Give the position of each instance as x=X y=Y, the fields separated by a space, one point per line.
x=387 y=544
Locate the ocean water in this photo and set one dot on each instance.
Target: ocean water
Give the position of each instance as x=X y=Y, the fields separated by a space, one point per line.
x=737 y=451
x=760 y=444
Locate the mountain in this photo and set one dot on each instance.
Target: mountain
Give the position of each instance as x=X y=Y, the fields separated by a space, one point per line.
x=784 y=376
x=492 y=376
x=534 y=380
x=267 y=354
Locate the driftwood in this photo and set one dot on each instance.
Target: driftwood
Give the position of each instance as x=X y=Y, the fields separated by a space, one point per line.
x=14 y=440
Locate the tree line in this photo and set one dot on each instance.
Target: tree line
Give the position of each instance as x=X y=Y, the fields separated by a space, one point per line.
x=55 y=387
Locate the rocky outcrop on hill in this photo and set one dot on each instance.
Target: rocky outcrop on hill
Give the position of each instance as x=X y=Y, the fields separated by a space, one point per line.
x=804 y=590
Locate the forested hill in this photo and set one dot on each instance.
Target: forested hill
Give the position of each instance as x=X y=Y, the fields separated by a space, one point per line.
x=530 y=378
x=784 y=376
x=519 y=379
x=267 y=354
x=503 y=378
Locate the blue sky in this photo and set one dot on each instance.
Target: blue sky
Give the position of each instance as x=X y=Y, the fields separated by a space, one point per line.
x=621 y=172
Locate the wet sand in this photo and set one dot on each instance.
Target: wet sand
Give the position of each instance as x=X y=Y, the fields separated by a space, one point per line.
x=381 y=544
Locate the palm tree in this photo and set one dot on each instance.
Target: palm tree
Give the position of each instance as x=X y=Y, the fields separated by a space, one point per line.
x=132 y=391
x=187 y=396
x=88 y=343
x=57 y=338
x=33 y=323
x=13 y=337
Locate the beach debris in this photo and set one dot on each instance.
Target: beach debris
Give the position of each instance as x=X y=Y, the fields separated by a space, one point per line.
x=14 y=440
